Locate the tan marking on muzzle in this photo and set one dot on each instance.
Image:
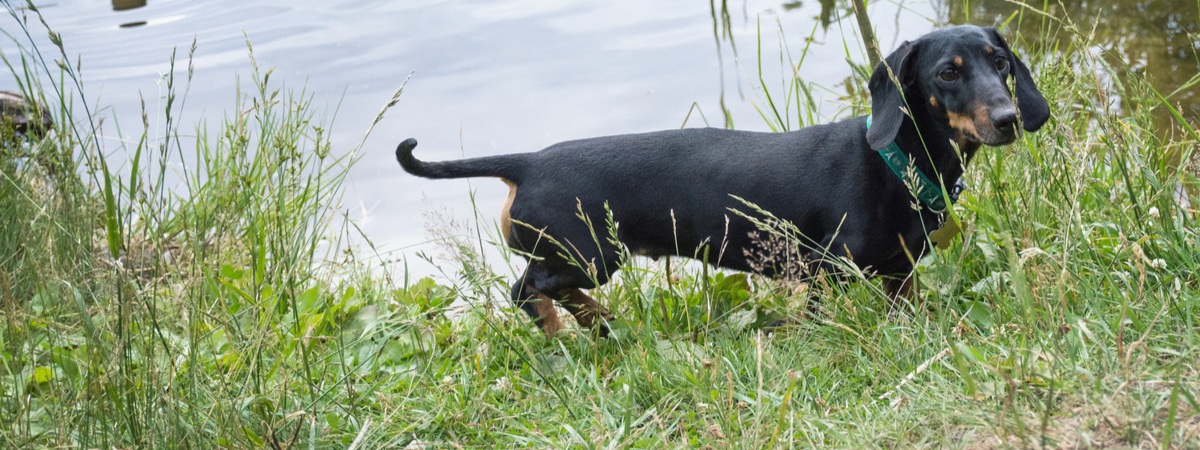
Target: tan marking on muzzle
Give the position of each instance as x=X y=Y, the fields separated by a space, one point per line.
x=933 y=101
x=505 y=215
x=984 y=115
x=982 y=112
x=986 y=130
x=964 y=124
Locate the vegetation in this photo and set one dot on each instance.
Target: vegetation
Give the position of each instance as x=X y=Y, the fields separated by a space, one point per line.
x=225 y=310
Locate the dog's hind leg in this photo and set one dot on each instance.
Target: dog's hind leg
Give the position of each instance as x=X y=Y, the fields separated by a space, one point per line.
x=586 y=309
x=536 y=304
x=541 y=279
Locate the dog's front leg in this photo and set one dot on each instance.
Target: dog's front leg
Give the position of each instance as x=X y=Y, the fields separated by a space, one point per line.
x=902 y=291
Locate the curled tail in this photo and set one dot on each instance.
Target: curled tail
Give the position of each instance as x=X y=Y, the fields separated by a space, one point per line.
x=509 y=167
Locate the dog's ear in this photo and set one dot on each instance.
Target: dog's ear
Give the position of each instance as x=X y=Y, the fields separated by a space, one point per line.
x=891 y=78
x=1034 y=109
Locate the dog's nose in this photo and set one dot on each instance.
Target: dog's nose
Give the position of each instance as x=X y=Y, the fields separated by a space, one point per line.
x=1004 y=118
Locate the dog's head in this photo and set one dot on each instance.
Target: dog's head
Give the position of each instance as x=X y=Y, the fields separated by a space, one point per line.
x=960 y=75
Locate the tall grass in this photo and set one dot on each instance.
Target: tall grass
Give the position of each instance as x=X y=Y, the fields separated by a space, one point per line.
x=143 y=310
x=224 y=309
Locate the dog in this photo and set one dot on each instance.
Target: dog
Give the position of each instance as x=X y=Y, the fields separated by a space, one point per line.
x=935 y=101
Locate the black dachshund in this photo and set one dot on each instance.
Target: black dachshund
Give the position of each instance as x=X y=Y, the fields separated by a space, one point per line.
x=848 y=188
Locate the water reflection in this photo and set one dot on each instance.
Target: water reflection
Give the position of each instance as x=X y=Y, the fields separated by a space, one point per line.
x=827 y=13
x=123 y=5
x=1156 y=39
x=828 y=10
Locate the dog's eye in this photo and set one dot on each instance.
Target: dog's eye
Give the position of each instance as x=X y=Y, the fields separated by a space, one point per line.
x=949 y=75
x=1001 y=62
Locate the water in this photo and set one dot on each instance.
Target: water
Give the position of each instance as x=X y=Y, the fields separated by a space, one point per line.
x=507 y=76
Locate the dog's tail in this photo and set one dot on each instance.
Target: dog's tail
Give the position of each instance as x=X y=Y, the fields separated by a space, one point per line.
x=509 y=167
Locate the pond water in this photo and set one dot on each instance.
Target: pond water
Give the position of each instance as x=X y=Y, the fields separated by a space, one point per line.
x=504 y=76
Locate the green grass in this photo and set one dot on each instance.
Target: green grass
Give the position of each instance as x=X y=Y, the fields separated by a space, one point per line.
x=228 y=311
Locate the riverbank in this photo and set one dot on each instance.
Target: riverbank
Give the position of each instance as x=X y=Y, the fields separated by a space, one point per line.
x=227 y=310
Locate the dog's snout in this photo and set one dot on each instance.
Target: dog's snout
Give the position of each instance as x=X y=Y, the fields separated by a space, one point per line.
x=1004 y=118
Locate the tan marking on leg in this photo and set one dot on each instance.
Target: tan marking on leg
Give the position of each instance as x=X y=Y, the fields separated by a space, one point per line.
x=584 y=307
x=505 y=215
x=550 y=322
x=933 y=101
x=546 y=312
x=958 y=61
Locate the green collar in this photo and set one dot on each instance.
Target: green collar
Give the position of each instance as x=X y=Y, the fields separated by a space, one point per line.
x=926 y=190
